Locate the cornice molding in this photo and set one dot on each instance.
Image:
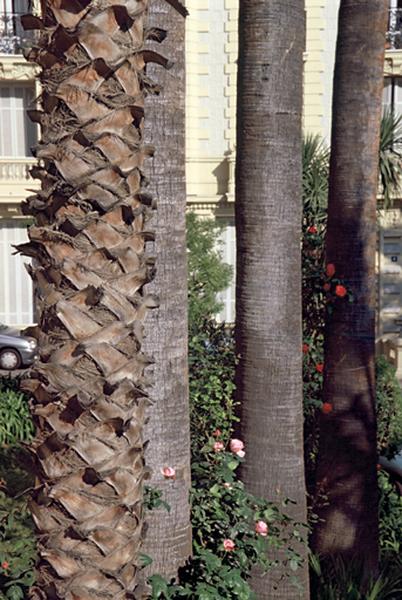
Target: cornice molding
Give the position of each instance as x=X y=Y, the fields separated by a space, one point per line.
x=16 y=68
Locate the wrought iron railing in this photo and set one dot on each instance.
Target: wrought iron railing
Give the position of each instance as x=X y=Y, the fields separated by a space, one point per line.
x=13 y=38
x=394 y=34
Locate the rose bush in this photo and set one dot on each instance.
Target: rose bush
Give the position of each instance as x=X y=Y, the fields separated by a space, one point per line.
x=232 y=530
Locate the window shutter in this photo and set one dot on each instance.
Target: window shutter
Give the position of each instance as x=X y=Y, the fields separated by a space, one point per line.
x=390 y=281
x=16 y=296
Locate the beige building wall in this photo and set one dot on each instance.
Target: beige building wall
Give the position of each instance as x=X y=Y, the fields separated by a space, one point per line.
x=211 y=53
x=321 y=31
x=18 y=90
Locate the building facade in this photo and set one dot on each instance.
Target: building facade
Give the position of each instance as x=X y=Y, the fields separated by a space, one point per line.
x=18 y=91
x=211 y=54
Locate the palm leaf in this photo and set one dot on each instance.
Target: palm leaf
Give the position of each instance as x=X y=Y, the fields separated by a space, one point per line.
x=390 y=156
x=315 y=162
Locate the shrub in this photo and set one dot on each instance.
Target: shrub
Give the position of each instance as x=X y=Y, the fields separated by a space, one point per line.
x=207 y=274
x=17 y=539
x=17 y=548
x=211 y=379
x=389 y=420
x=389 y=408
x=15 y=419
x=390 y=518
x=336 y=579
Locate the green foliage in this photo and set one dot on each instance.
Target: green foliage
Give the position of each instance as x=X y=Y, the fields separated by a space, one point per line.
x=15 y=420
x=17 y=540
x=389 y=408
x=390 y=518
x=315 y=164
x=340 y=580
x=207 y=274
x=315 y=194
x=211 y=378
x=390 y=163
x=152 y=499
x=389 y=439
x=17 y=548
x=223 y=510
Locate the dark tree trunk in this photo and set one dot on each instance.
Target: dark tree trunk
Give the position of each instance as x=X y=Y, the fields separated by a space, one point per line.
x=347 y=455
x=168 y=538
x=268 y=288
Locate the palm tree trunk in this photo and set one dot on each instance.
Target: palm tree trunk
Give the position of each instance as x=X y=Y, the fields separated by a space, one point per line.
x=347 y=456
x=268 y=288
x=168 y=537
x=88 y=243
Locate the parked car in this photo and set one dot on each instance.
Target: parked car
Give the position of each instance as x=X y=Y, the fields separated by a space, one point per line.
x=16 y=350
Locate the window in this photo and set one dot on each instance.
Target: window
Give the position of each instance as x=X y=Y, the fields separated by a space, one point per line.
x=228 y=297
x=16 y=296
x=394 y=35
x=17 y=133
x=12 y=34
x=392 y=95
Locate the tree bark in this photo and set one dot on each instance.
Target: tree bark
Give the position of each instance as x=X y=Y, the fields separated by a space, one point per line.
x=347 y=457
x=88 y=242
x=268 y=288
x=168 y=538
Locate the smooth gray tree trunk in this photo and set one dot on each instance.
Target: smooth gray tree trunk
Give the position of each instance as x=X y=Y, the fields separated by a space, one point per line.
x=168 y=538
x=268 y=288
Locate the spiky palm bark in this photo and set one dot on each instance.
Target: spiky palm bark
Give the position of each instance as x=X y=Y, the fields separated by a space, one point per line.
x=88 y=243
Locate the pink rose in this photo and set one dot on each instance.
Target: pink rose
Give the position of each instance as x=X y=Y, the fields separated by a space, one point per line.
x=261 y=528
x=236 y=446
x=168 y=472
x=240 y=453
x=229 y=545
x=218 y=446
x=217 y=433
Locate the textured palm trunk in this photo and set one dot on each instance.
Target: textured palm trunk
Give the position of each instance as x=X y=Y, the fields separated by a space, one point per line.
x=268 y=289
x=168 y=537
x=88 y=242
x=347 y=456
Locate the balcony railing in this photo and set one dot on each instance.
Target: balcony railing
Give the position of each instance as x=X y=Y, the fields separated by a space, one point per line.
x=394 y=34
x=13 y=38
x=15 y=170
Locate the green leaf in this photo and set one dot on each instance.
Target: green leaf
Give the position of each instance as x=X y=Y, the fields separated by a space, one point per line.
x=159 y=586
x=145 y=560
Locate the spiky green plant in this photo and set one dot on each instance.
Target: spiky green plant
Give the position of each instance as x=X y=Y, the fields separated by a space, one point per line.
x=390 y=159
x=315 y=162
x=340 y=580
